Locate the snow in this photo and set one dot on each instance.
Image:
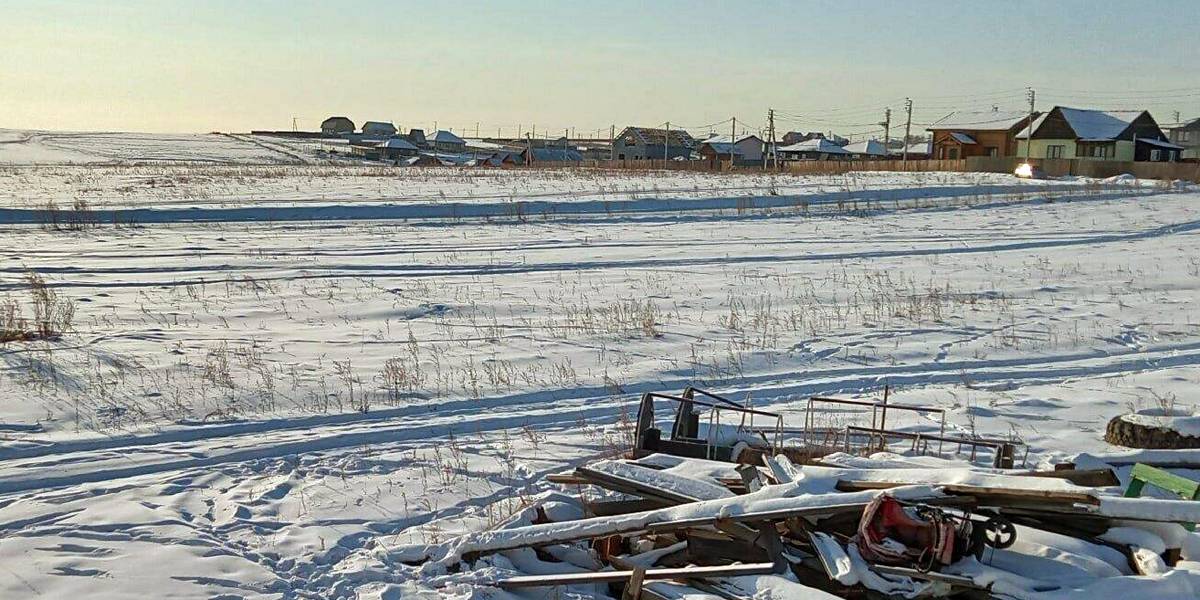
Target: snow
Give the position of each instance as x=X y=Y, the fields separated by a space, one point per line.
x=1183 y=422
x=868 y=147
x=814 y=145
x=1091 y=125
x=680 y=484
x=442 y=136
x=281 y=374
x=990 y=120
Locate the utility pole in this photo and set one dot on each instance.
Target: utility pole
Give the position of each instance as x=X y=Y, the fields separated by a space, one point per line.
x=612 y=141
x=907 y=130
x=296 y=128
x=1032 y=95
x=529 y=150
x=1176 y=113
x=666 y=139
x=732 y=140
x=771 y=140
x=887 y=129
x=477 y=129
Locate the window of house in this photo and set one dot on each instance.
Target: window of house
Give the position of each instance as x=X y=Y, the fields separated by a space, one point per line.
x=953 y=153
x=1155 y=155
x=1185 y=136
x=1054 y=151
x=992 y=151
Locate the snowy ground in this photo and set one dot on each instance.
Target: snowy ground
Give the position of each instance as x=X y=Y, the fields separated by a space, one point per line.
x=249 y=409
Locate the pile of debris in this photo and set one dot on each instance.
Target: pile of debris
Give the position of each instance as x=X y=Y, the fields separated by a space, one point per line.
x=672 y=526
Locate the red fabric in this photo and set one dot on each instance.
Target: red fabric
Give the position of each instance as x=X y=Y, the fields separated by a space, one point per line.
x=926 y=542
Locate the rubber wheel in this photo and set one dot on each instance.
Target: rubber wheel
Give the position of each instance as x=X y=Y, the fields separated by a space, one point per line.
x=1001 y=533
x=1133 y=435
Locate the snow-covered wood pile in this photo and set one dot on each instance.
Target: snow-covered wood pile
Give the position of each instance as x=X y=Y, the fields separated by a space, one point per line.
x=670 y=527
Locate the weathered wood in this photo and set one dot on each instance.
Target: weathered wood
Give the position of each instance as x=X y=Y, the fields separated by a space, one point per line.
x=608 y=508
x=633 y=588
x=953 y=580
x=1083 y=477
x=706 y=547
x=634 y=487
x=501 y=544
x=683 y=573
x=566 y=479
x=980 y=492
x=750 y=477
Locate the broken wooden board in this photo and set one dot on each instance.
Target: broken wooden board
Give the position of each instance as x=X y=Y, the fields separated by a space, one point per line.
x=683 y=573
x=651 y=484
x=984 y=494
x=767 y=505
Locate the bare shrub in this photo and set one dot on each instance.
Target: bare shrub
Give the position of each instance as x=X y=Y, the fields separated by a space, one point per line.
x=53 y=315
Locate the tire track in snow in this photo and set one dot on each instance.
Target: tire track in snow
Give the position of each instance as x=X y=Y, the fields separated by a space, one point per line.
x=73 y=463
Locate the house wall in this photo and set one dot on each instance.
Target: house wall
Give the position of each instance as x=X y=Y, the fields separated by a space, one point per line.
x=1188 y=137
x=752 y=149
x=642 y=152
x=1001 y=140
x=1124 y=149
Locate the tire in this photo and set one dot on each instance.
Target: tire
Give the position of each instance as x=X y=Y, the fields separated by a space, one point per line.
x=1133 y=435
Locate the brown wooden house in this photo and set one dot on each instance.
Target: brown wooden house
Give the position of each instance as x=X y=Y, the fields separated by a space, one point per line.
x=985 y=133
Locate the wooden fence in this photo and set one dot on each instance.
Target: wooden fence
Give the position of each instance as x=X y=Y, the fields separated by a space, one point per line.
x=1189 y=171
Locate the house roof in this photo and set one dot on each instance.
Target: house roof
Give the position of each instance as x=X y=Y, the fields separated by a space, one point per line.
x=555 y=155
x=815 y=145
x=987 y=120
x=1188 y=124
x=917 y=148
x=396 y=143
x=962 y=138
x=1160 y=144
x=722 y=147
x=442 y=136
x=1091 y=125
x=378 y=124
x=657 y=137
x=868 y=147
x=724 y=139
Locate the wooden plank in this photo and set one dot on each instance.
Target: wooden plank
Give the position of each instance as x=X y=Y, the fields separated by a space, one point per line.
x=683 y=573
x=953 y=580
x=1142 y=475
x=980 y=492
x=1081 y=477
x=1145 y=474
x=634 y=487
x=567 y=479
x=608 y=508
x=706 y=547
x=633 y=588
x=494 y=544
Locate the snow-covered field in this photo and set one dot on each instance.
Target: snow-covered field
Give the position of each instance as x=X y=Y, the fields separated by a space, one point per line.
x=251 y=406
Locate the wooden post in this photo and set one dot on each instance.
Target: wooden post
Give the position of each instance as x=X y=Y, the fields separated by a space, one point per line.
x=666 y=143
x=633 y=589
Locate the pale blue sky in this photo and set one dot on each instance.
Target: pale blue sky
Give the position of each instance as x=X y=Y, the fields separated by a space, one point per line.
x=173 y=65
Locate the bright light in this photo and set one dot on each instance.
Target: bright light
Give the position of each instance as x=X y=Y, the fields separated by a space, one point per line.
x=1024 y=171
